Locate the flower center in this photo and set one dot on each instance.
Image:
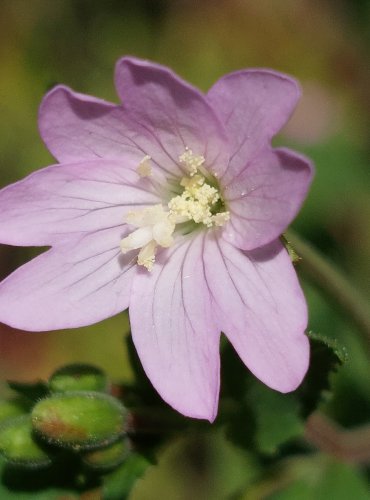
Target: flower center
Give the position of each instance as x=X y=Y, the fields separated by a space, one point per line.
x=200 y=202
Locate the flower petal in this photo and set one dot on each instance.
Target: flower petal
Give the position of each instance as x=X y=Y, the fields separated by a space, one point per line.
x=261 y=309
x=174 y=331
x=265 y=197
x=172 y=112
x=254 y=105
x=79 y=127
x=69 y=287
x=53 y=203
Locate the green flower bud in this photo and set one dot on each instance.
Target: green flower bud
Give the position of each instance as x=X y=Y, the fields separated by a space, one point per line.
x=78 y=377
x=79 y=420
x=12 y=408
x=107 y=459
x=18 y=445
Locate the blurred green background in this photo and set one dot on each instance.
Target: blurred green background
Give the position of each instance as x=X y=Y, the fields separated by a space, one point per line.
x=325 y=44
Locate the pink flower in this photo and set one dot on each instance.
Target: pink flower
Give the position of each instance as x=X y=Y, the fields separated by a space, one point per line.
x=170 y=204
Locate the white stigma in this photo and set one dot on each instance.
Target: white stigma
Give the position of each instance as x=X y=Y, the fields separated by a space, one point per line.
x=155 y=225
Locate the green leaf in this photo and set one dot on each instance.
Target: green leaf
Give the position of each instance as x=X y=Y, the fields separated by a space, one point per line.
x=18 y=445
x=323 y=478
x=296 y=490
x=79 y=420
x=118 y=485
x=326 y=357
x=277 y=418
x=78 y=377
x=341 y=481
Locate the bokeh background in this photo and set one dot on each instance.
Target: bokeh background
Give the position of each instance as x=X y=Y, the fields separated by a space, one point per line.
x=323 y=43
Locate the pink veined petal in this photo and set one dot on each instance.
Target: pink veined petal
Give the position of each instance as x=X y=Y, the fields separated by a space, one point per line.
x=174 y=331
x=78 y=127
x=265 y=197
x=172 y=112
x=52 y=204
x=261 y=309
x=254 y=105
x=72 y=286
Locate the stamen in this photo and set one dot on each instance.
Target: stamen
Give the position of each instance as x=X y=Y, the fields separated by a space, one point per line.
x=220 y=218
x=146 y=255
x=144 y=168
x=192 y=162
x=196 y=202
x=155 y=225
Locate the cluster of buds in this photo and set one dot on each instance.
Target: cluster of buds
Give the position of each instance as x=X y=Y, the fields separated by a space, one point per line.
x=71 y=420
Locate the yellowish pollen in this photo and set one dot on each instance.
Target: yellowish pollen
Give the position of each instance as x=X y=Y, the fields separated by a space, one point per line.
x=196 y=202
x=144 y=168
x=146 y=255
x=220 y=218
x=191 y=161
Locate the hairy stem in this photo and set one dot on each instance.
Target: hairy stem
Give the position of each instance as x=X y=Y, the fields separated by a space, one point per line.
x=336 y=286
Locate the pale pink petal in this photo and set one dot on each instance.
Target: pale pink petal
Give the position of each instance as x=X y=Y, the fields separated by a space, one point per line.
x=79 y=127
x=52 y=203
x=261 y=309
x=172 y=112
x=265 y=197
x=69 y=287
x=254 y=105
x=174 y=331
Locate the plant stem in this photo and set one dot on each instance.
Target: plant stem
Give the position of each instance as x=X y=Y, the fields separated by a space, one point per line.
x=349 y=445
x=336 y=286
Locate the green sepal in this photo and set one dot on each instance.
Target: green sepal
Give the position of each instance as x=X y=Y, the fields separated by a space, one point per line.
x=79 y=420
x=18 y=445
x=31 y=391
x=107 y=459
x=78 y=377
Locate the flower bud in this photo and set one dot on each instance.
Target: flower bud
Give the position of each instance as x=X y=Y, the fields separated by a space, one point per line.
x=78 y=377
x=79 y=420
x=18 y=445
x=108 y=458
